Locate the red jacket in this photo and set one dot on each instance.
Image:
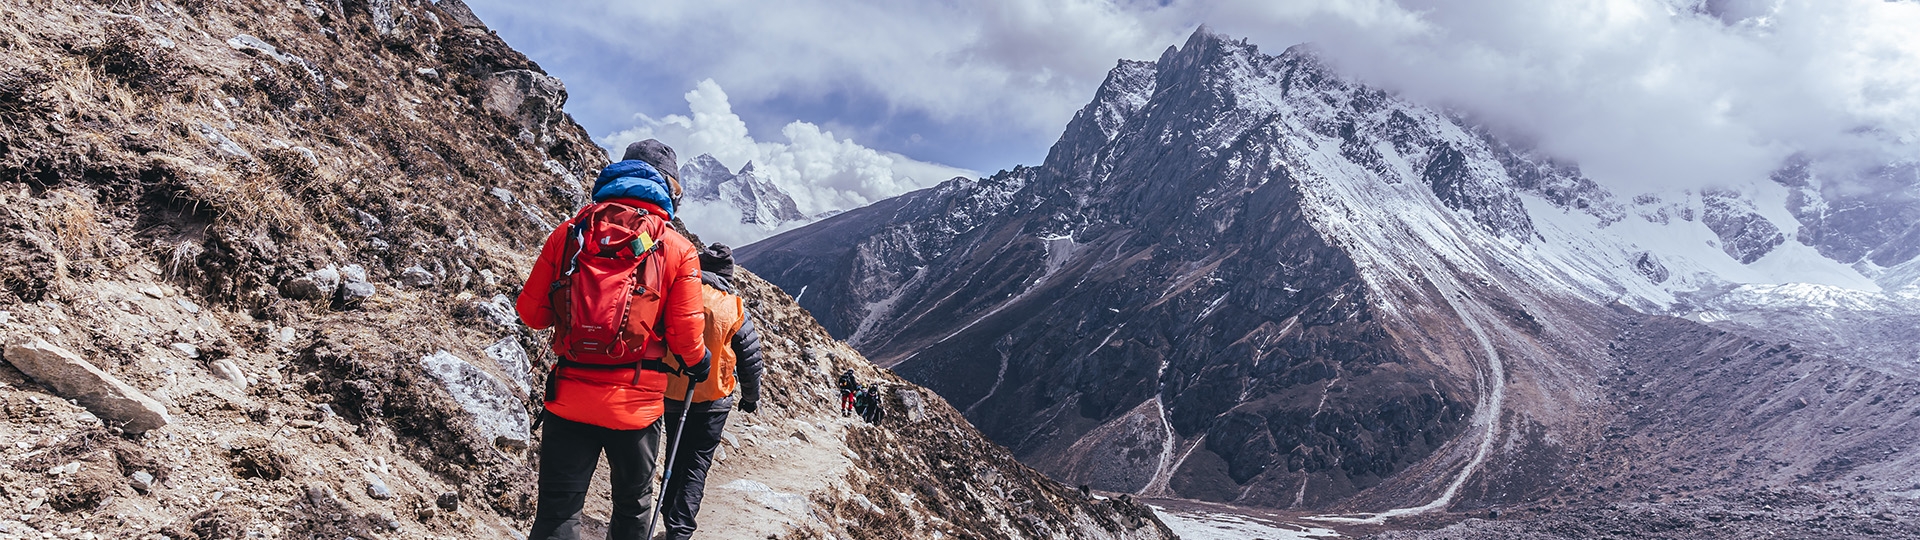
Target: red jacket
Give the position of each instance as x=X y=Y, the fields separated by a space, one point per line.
x=609 y=397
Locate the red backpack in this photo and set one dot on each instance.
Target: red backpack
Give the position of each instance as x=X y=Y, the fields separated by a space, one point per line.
x=607 y=299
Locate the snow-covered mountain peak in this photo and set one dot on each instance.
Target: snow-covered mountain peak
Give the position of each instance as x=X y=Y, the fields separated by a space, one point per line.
x=737 y=207
x=1247 y=278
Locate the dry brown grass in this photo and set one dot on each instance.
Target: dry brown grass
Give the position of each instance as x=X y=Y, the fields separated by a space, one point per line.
x=75 y=221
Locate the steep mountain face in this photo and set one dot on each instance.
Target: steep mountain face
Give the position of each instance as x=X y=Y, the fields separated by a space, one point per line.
x=258 y=262
x=1244 y=278
x=759 y=201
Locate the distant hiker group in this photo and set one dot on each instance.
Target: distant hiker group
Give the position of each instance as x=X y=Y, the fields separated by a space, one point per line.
x=646 y=326
x=861 y=400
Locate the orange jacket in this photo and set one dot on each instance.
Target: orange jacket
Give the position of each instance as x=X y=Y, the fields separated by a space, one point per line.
x=611 y=398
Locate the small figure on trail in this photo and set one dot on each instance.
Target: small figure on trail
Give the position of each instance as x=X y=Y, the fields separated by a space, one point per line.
x=735 y=344
x=617 y=260
x=849 y=385
x=869 y=403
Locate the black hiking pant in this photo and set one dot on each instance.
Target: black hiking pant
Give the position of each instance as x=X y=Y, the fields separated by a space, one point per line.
x=569 y=451
x=693 y=456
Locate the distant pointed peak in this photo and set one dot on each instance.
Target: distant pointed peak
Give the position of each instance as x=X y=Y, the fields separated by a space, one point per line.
x=706 y=163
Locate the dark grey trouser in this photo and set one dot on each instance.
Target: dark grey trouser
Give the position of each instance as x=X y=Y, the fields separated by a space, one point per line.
x=693 y=456
x=569 y=451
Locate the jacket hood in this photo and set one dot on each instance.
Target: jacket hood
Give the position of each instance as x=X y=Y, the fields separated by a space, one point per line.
x=634 y=179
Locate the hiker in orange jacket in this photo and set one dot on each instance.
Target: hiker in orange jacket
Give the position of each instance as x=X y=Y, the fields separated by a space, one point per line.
x=615 y=405
x=735 y=345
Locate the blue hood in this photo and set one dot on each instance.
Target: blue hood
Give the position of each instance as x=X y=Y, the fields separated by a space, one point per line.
x=634 y=179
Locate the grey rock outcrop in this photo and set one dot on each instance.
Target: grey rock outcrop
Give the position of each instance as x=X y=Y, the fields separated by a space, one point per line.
x=354 y=288
x=221 y=144
x=416 y=277
x=495 y=411
x=531 y=98
x=376 y=487
x=315 y=285
x=228 y=371
x=74 y=378
x=512 y=359
x=497 y=310
x=1744 y=234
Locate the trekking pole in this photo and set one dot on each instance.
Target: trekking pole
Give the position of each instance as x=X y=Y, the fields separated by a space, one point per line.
x=673 y=447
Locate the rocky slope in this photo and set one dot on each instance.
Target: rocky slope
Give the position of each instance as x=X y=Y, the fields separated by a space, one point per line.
x=257 y=257
x=1244 y=278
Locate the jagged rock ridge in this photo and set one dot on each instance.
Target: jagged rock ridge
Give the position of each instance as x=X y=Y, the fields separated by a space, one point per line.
x=759 y=201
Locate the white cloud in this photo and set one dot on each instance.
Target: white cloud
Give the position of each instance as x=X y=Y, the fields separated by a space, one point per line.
x=820 y=171
x=1642 y=93
x=998 y=65
x=719 y=222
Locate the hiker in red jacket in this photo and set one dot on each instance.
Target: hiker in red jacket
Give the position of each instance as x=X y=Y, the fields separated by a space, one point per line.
x=618 y=330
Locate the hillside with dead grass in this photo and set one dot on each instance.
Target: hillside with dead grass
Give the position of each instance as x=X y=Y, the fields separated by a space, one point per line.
x=286 y=233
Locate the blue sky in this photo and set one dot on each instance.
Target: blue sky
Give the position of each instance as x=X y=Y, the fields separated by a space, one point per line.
x=890 y=96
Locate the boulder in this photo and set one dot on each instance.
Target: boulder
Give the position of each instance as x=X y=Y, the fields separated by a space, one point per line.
x=495 y=410
x=530 y=98
x=354 y=288
x=460 y=13
x=512 y=359
x=315 y=285
x=228 y=371
x=915 y=404
x=74 y=378
x=356 y=292
x=376 y=487
x=416 y=277
x=142 y=482
x=498 y=311
x=221 y=144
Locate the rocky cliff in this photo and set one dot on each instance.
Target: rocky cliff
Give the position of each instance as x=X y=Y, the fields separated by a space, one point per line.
x=1245 y=278
x=257 y=263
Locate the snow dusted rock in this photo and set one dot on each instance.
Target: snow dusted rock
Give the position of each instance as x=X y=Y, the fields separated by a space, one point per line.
x=74 y=378
x=512 y=359
x=389 y=16
x=496 y=412
x=759 y=201
x=244 y=42
x=1744 y=233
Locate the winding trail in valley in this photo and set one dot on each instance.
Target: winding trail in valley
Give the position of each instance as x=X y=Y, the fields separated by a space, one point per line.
x=1486 y=416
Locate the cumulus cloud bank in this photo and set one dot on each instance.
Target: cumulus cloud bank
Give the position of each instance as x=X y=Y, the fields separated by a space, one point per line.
x=1644 y=94
x=820 y=171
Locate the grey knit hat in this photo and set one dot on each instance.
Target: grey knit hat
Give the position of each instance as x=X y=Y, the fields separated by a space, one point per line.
x=655 y=153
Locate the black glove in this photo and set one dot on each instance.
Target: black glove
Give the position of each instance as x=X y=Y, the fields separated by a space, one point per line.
x=699 y=372
x=749 y=406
